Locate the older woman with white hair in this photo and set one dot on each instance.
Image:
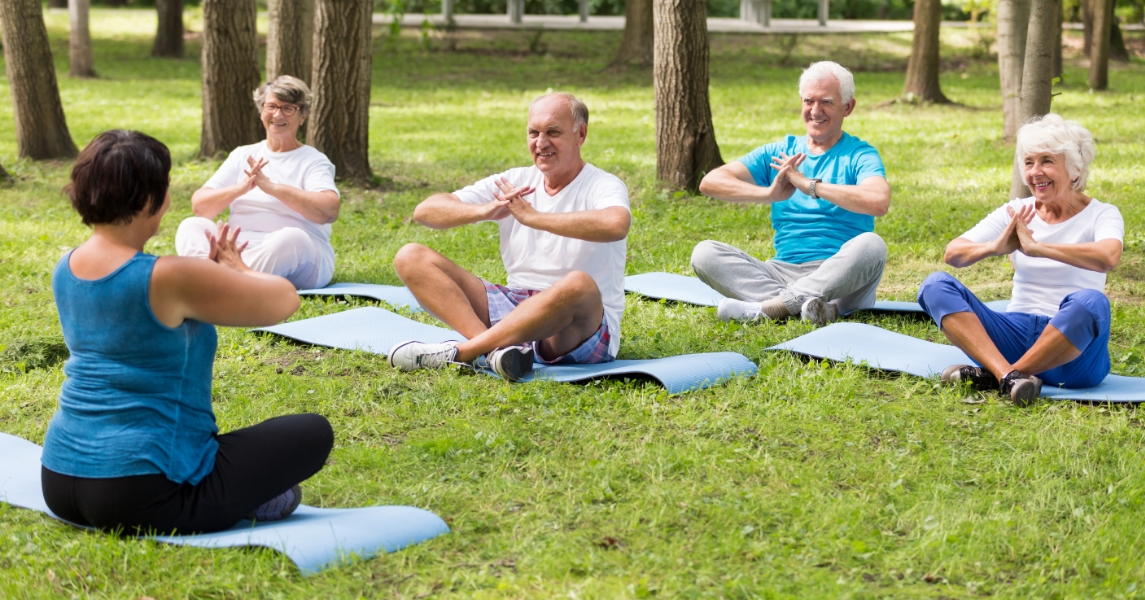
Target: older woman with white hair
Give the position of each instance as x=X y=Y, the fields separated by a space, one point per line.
x=1061 y=243
x=280 y=192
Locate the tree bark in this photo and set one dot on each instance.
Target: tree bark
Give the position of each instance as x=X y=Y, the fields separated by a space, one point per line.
x=340 y=119
x=3 y=174
x=685 y=138
x=57 y=3
x=41 y=129
x=290 y=40
x=1038 y=75
x=1117 y=49
x=922 y=68
x=1057 y=37
x=79 y=39
x=1087 y=25
x=636 y=45
x=1099 y=51
x=169 y=31
x=230 y=76
x=1013 y=21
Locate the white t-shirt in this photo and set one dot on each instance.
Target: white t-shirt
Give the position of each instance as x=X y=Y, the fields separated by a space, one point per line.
x=536 y=259
x=256 y=211
x=1040 y=284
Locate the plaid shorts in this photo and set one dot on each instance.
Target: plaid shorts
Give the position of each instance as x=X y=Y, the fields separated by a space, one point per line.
x=502 y=301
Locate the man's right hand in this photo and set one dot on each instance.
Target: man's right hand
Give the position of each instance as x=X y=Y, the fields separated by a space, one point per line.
x=781 y=187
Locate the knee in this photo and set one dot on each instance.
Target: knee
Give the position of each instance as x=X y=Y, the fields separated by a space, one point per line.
x=580 y=285
x=319 y=434
x=872 y=246
x=409 y=257
x=291 y=239
x=1093 y=302
x=704 y=255
x=936 y=284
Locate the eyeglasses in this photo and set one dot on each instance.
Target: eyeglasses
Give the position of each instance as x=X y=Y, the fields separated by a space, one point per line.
x=288 y=110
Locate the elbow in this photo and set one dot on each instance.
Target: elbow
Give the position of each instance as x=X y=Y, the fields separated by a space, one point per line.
x=287 y=302
x=952 y=258
x=881 y=207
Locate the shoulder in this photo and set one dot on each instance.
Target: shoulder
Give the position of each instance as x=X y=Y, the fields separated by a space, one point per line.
x=600 y=177
x=244 y=151
x=311 y=154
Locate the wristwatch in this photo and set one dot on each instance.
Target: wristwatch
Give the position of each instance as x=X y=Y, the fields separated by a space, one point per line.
x=811 y=190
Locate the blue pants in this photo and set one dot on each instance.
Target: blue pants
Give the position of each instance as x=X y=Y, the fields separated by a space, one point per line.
x=1083 y=317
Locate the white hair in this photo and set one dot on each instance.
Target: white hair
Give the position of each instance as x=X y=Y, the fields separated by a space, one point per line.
x=826 y=70
x=577 y=107
x=1055 y=135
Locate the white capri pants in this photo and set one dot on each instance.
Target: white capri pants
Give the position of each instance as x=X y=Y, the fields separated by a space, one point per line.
x=289 y=252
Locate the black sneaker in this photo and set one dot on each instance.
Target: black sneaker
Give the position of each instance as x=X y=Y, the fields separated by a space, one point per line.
x=511 y=364
x=279 y=507
x=1023 y=390
x=979 y=378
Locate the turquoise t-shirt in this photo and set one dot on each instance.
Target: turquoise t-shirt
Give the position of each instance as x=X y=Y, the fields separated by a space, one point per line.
x=807 y=229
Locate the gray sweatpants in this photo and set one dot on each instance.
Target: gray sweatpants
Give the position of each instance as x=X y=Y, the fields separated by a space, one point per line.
x=848 y=279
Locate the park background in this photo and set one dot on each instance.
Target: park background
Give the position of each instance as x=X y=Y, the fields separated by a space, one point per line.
x=808 y=480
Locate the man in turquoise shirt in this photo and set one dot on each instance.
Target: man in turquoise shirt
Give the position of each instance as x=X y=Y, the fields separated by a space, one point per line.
x=825 y=190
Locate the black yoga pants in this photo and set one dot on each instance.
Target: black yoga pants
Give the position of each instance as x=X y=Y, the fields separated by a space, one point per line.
x=253 y=465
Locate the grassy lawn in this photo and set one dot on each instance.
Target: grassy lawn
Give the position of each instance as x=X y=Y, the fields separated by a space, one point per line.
x=809 y=480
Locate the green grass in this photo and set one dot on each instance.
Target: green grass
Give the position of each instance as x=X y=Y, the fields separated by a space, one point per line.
x=809 y=480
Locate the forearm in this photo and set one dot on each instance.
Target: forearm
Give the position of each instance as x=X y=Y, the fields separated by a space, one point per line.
x=1101 y=256
x=209 y=202
x=872 y=196
x=961 y=252
x=443 y=211
x=605 y=225
x=318 y=207
x=729 y=188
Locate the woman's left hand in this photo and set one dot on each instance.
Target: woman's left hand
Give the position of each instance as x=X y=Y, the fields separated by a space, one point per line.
x=256 y=176
x=225 y=249
x=1022 y=217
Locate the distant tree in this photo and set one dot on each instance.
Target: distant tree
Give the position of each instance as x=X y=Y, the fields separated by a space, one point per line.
x=290 y=38
x=230 y=75
x=636 y=44
x=1099 y=48
x=1057 y=41
x=1013 y=22
x=57 y=3
x=79 y=39
x=340 y=117
x=3 y=174
x=169 y=30
x=1038 y=72
x=41 y=129
x=685 y=138
x=922 y=68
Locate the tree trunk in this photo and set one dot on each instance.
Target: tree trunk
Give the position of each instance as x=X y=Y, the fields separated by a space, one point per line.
x=922 y=68
x=1037 y=77
x=1117 y=49
x=169 y=32
x=290 y=40
x=1013 y=20
x=340 y=118
x=79 y=40
x=685 y=138
x=1099 y=51
x=3 y=174
x=230 y=76
x=1057 y=35
x=636 y=45
x=57 y=3
x=1087 y=25
x=41 y=129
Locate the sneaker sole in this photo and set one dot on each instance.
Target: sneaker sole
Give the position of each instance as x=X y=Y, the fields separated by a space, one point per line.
x=517 y=367
x=1025 y=393
x=817 y=311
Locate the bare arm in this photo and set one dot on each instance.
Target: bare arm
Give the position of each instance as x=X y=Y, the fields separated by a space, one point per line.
x=961 y=252
x=872 y=196
x=317 y=207
x=734 y=183
x=1101 y=256
x=602 y=225
x=444 y=211
x=209 y=202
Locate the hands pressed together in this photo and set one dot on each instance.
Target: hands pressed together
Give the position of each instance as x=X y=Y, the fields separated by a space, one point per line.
x=225 y=249
x=787 y=175
x=1017 y=235
x=254 y=177
x=511 y=201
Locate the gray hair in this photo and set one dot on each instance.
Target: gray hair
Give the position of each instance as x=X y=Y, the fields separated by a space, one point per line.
x=576 y=107
x=1055 y=135
x=287 y=89
x=827 y=70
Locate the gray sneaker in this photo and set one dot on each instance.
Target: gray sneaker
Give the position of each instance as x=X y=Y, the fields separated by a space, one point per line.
x=511 y=364
x=819 y=311
x=1023 y=390
x=279 y=507
x=412 y=355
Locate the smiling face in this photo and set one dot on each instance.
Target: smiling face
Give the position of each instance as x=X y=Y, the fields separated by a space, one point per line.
x=823 y=110
x=277 y=123
x=1047 y=177
x=554 y=141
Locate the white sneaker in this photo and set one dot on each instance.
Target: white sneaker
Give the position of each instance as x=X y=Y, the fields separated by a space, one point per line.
x=819 y=312
x=513 y=363
x=731 y=309
x=413 y=355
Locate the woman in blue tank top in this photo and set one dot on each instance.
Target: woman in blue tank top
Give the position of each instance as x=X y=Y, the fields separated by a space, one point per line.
x=133 y=445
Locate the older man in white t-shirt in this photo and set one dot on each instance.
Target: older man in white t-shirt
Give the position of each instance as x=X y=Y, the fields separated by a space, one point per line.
x=563 y=226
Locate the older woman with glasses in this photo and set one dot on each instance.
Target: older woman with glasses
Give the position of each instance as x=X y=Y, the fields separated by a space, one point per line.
x=1061 y=243
x=280 y=192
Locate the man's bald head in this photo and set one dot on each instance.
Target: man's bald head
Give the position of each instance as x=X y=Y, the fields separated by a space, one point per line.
x=576 y=108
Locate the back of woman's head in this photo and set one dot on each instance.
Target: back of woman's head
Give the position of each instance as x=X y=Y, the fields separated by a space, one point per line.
x=119 y=174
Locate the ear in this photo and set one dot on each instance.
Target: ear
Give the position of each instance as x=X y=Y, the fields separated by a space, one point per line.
x=582 y=135
x=848 y=107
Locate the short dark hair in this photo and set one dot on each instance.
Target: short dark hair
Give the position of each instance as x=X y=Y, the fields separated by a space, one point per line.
x=119 y=174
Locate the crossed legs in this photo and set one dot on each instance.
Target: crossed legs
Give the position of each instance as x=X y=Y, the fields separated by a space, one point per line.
x=560 y=318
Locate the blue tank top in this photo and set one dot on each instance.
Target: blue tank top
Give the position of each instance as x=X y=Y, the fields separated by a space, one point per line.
x=137 y=399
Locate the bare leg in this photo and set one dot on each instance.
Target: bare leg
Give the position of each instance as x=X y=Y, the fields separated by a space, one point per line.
x=444 y=289
x=562 y=317
x=965 y=330
x=1053 y=349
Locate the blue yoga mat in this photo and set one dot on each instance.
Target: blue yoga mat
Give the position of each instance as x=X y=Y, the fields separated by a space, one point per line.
x=377 y=330
x=890 y=351
x=392 y=294
x=314 y=538
x=684 y=288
